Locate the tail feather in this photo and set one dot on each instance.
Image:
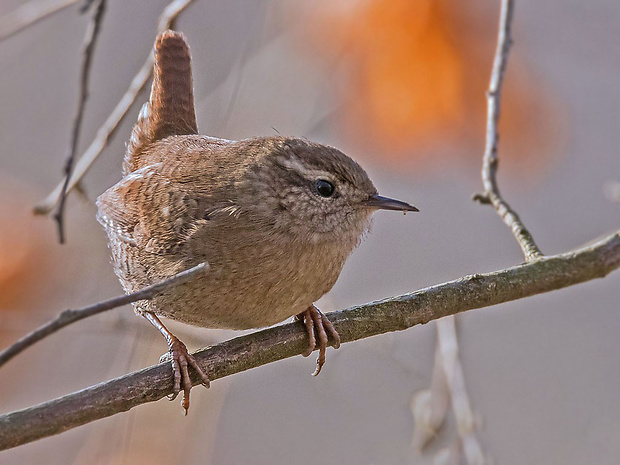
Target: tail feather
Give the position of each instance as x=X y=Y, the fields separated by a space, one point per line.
x=170 y=109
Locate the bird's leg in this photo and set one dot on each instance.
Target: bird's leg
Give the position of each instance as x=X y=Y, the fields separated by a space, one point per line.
x=313 y=318
x=181 y=359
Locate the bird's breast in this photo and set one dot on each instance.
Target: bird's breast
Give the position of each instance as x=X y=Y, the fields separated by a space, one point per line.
x=255 y=283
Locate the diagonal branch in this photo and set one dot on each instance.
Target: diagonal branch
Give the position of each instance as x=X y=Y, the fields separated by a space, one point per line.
x=69 y=316
x=491 y=193
x=29 y=14
x=266 y=346
x=90 y=40
x=111 y=124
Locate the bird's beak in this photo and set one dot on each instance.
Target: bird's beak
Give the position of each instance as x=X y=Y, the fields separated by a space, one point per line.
x=385 y=203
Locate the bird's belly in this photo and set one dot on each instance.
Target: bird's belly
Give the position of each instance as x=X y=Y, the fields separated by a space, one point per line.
x=245 y=300
x=250 y=285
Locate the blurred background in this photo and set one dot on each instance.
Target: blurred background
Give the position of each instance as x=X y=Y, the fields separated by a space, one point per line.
x=399 y=86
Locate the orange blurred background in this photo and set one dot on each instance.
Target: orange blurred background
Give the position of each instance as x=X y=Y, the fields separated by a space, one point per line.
x=412 y=77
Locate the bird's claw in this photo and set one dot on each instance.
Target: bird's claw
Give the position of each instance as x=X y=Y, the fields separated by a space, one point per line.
x=314 y=319
x=181 y=359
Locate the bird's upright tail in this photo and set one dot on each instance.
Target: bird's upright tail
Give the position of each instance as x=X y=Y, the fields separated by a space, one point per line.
x=170 y=109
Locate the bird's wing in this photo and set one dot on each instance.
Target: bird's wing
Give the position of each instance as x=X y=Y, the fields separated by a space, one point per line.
x=149 y=210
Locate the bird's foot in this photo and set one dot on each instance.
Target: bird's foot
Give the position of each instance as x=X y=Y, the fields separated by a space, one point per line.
x=314 y=319
x=181 y=359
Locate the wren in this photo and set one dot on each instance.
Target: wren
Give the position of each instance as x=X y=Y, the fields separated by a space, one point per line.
x=274 y=218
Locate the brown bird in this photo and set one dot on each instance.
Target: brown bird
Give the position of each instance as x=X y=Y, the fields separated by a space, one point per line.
x=274 y=218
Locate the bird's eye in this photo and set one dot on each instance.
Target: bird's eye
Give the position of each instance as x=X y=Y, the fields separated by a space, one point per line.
x=325 y=188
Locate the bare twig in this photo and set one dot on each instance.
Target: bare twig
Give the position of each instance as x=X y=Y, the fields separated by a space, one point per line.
x=447 y=357
x=429 y=407
x=266 y=346
x=107 y=130
x=461 y=405
x=90 y=40
x=491 y=193
x=30 y=13
x=71 y=316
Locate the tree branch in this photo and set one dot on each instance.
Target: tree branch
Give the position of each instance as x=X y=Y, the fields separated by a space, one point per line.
x=29 y=14
x=491 y=193
x=69 y=316
x=394 y=314
x=90 y=40
x=109 y=127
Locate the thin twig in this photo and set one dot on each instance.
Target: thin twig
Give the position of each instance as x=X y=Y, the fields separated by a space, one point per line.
x=270 y=345
x=90 y=41
x=491 y=193
x=461 y=405
x=429 y=407
x=71 y=316
x=104 y=134
x=111 y=124
x=447 y=356
x=29 y=14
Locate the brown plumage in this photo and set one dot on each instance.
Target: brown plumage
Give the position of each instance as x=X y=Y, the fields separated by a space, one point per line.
x=170 y=109
x=274 y=217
